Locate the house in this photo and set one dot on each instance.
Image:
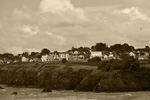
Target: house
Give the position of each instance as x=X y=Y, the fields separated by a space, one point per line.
x=64 y=55
x=111 y=56
x=143 y=56
x=1 y=61
x=132 y=54
x=46 y=58
x=81 y=57
x=105 y=57
x=56 y=57
x=75 y=56
x=96 y=54
x=24 y=59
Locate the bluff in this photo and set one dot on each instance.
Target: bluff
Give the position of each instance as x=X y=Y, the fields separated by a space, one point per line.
x=77 y=77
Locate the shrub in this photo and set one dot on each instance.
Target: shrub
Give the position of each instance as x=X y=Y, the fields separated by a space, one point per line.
x=95 y=59
x=128 y=64
x=64 y=61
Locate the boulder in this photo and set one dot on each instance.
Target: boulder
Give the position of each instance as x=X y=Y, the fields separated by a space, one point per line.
x=14 y=93
x=47 y=90
x=1 y=87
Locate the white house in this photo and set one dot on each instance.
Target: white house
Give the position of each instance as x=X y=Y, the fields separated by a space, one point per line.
x=96 y=54
x=24 y=59
x=132 y=54
x=64 y=56
x=145 y=56
x=46 y=58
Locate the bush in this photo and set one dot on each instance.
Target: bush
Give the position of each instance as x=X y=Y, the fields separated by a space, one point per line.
x=128 y=64
x=110 y=65
x=64 y=61
x=95 y=59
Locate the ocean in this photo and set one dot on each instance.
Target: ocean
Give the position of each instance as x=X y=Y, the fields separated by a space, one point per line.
x=35 y=94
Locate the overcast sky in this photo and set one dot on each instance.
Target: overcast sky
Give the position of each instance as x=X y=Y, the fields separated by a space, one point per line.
x=31 y=25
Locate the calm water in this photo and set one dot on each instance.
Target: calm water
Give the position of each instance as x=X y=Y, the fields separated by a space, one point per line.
x=35 y=94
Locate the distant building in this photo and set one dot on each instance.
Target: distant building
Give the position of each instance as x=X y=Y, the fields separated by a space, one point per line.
x=1 y=61
x=64 y=55
x=24 y=59
x=132 y=54
x=46 y=58
x=143 y=56
x=105 y=57
x=96 y=54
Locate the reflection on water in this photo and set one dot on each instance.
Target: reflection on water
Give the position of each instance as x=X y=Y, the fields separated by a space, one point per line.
x=35 y=94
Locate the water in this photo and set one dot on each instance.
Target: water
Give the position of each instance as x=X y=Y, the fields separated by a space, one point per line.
x=35 y=94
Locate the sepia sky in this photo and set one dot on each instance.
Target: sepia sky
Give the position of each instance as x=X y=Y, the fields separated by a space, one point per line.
x=31 y=25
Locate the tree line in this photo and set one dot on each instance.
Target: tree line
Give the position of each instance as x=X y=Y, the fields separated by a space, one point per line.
x=117 y=48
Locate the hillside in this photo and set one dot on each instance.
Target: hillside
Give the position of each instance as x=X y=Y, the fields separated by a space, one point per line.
x=74 y=76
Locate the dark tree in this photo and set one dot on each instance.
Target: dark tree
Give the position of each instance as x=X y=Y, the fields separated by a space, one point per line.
x=45 y=51
x=34 y=54
x=7 y=56
x=121 y=48
x=83 y=50
x=147 y=48
x=56 y=52
x=25 y=54
x=100 y=47
x=64 y=61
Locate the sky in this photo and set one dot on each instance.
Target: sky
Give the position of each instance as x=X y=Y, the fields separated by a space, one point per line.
x=31 y=25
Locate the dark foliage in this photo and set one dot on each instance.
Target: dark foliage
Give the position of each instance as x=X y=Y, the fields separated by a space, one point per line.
x=100 y=47
x=128 y=64
x=64 y=61
x=45 y=51
x=95 y=59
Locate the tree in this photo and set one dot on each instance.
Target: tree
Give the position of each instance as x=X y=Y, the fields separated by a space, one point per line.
x=121 y=48
x=64 y=61
x=147 y=48
x=25 y=54
x=34 y=54
x=127 y=48
x=45 y=51
x=95 y=59
x=56 y=52
x=100 y=47
x=7 y=56
x=115 y=47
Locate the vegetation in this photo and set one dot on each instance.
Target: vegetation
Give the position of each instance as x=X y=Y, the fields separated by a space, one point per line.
x=126 y=64
x=111 y=76
x=100 y=47
x=95 y=59
x=45 y=51
x=64 y=61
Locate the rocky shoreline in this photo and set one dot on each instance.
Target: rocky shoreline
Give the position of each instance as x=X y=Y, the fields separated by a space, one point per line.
x=74 y=77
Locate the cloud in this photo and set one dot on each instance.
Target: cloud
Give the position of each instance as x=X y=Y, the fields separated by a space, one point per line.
x=20 y=13
x=56 y=6
x=30 y=30
x=60 y=24
x=133 y=13
x=59 y=39
x=62 y=8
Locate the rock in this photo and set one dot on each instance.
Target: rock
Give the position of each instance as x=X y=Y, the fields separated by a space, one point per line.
x=47 y=90
x=14 y=93
x=1 y=87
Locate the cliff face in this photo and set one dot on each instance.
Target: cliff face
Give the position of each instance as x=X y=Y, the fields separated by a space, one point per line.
x=69 y=77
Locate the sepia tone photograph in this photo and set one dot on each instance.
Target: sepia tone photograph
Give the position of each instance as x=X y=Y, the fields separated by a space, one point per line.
x=74 y=49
